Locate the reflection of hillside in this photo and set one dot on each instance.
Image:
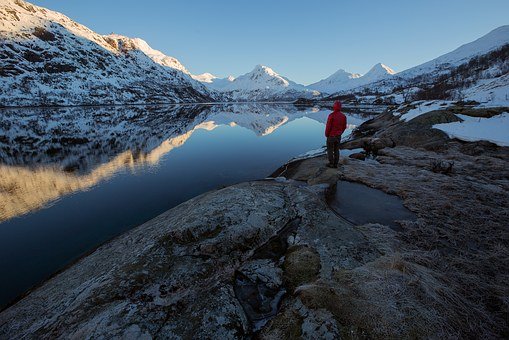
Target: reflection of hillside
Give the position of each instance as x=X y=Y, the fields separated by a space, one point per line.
x=73 y=149
x=80 y=138
x=25 y=189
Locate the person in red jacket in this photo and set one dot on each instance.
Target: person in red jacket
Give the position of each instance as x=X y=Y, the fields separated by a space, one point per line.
x=336 y=125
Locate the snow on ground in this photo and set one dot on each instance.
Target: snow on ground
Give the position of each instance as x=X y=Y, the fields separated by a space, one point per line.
x=490 y=92
x=311 y=153
x=423 y=107
x=494 y=129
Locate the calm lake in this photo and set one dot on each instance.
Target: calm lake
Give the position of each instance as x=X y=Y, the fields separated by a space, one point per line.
x=73 y=178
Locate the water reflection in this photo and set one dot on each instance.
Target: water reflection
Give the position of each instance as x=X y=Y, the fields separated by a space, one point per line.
x=47 y=153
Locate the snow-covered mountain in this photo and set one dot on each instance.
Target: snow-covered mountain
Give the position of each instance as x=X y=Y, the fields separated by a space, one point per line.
x=343 y=80
x=474 y=71
x=127 y=44
x=213 y=82
x=487 y=43
x=376 y=73
x=263 y=83
x=334 y=82
x=49 y=59
x=204 y=77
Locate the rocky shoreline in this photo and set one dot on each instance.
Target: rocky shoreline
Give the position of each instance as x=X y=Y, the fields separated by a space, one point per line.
x=273 y=259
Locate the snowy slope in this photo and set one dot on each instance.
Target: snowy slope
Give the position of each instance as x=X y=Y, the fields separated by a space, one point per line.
x=48 y=59
x=342 y=80
x=494 y=129
x=376 y=73
x=489 y=42
x=140 y=44
x=204 y=77
x=263 y=83
x=212 y=81
x=489 y=92
x=334 y=82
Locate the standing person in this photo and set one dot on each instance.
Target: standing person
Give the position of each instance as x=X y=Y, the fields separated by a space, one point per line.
x=336 y=125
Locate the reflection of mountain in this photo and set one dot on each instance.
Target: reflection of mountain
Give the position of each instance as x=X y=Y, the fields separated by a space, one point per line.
x=48 y=153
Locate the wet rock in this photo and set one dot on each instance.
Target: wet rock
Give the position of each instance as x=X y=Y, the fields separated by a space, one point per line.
x=258 y=282
x=260 y=300
x=361 y=204
x=264 y=271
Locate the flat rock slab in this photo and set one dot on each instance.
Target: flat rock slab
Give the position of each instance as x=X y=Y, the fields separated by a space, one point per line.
x=173 y=277
x=361 y=204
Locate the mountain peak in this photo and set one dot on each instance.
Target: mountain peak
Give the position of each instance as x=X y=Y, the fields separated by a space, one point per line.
x=381 y=68
x=342 y=74
x=264 y=69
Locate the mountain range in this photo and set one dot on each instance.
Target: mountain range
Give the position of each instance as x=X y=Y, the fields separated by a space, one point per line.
x=49 y=59
x=343 y=80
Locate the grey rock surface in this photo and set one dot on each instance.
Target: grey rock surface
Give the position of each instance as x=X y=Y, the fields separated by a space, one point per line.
x=172 y=276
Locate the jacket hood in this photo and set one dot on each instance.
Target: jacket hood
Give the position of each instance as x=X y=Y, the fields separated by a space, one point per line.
x=337 y=106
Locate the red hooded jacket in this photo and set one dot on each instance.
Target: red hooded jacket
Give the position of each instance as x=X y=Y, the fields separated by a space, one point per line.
x=336 y=123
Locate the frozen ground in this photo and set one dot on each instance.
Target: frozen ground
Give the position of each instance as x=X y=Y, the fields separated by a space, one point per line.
x=421 y=108
x=494 y=129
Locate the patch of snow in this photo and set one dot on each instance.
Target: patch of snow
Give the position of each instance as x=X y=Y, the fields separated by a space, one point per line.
x=494 y=129
x=489 y=92
x=348 y=152
x=422 y=108
x=311 y=153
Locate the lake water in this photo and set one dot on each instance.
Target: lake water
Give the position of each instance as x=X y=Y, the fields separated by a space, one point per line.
x=73 y=178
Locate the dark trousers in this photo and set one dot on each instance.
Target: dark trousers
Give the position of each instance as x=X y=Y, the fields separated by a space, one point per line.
x=333 y=149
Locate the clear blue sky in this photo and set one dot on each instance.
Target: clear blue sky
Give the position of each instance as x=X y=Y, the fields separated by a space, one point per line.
x=302 y=39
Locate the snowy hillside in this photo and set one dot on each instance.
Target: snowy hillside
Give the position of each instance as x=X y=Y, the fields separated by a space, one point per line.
x=489 y=42
x=476 y=71
x=48 y=59
x=263 y=83
x=342 y=80
x=335 y=82
x=126 y=44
